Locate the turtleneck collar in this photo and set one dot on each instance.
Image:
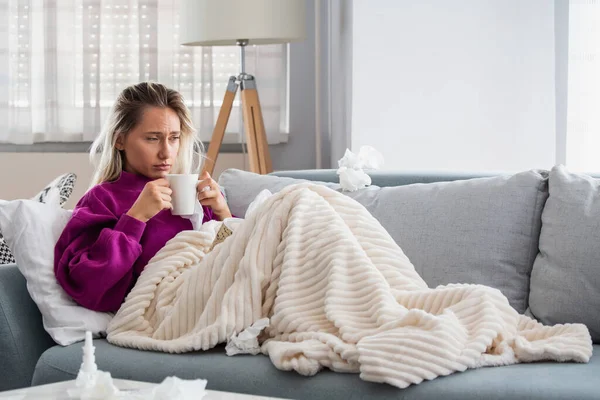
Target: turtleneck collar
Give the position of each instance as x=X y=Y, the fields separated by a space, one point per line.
x=132 y=181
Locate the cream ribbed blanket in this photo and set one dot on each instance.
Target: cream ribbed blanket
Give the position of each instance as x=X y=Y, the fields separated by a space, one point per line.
x=339 y=292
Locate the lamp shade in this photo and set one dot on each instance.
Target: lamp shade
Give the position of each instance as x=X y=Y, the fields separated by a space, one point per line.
x=223 y=22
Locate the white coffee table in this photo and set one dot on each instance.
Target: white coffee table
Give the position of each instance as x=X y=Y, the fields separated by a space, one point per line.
x=58 y=391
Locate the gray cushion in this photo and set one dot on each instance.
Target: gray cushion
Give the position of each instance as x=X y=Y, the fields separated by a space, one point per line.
x=241 y=187
x=482 y=230
x=565 y=281
x=256 y=375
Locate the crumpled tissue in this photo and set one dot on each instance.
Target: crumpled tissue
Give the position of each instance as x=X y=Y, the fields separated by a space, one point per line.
x=246 y=342
x=93 y=384
x=352 y=175
x=96 y=385
x=258 y=201
x=173 y=387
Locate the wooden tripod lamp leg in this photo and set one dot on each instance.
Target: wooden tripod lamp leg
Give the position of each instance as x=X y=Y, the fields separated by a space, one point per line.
x=258 y=147
x=221 y=125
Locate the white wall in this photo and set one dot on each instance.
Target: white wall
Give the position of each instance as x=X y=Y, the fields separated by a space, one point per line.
x=23 y=175
x=455 y=85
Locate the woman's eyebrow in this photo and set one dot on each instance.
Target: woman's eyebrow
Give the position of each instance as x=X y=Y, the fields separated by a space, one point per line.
x=161 y=133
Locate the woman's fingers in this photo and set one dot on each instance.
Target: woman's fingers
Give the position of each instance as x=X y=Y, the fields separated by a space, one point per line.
x=165 y=189
x=209 y=198
x=209 y=194
x=206 y=189
x=165 y=197
x=205 y=176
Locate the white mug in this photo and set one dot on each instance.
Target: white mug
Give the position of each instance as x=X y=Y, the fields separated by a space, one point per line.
x=184 y=194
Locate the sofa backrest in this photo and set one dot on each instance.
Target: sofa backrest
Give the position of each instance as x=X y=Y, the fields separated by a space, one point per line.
x=565 y=276
x=458 y=228
x=384 y=178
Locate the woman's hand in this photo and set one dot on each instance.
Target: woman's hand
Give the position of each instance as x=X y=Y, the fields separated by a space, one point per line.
x=155 y=197
x=209 y=194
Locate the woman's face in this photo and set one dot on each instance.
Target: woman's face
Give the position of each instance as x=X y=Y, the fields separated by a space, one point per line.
x=151 y=148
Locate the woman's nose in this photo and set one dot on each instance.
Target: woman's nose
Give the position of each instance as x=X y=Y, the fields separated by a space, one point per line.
x=163 y=152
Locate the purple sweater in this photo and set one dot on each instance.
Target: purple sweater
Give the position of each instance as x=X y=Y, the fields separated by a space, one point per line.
x=102 y=251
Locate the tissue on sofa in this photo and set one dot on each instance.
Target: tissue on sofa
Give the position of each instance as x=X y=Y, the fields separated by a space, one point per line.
x=352 y=175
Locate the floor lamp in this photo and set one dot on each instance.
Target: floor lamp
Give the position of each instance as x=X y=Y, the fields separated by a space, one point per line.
x=242 y=23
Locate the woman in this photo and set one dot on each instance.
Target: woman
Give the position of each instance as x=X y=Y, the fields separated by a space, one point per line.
x=125 y=218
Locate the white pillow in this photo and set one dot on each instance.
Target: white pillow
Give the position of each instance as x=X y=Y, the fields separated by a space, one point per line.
x=31 y=230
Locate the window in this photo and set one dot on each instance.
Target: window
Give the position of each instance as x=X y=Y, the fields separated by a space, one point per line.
x=583 y=109
x=62 y=64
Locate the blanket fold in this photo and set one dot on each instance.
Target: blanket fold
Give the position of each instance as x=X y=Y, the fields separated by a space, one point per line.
x=339 y=293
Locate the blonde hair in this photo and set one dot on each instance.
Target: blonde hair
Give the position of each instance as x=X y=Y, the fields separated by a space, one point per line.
x=126 y=114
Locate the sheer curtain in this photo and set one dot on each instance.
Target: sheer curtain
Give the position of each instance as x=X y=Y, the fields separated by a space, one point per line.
x=63 y=62
x=583 y=109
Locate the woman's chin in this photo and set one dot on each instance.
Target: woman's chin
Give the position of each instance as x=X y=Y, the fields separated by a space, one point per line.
x=157 y=174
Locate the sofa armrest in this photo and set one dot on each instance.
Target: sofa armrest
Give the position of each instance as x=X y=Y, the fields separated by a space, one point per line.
x=22 y=335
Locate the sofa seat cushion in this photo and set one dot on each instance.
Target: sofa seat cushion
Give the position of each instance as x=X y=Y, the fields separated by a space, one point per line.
x=256 y=375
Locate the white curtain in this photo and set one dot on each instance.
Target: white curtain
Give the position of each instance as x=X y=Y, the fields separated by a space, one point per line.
x=583 y=109
x=63 y=62
x=338 y=80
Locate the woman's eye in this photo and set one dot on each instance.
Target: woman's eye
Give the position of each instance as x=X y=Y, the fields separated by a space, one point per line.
x=174 y=137
x=151 y=139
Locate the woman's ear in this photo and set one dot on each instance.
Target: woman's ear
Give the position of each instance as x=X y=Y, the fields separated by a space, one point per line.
x=120 y=143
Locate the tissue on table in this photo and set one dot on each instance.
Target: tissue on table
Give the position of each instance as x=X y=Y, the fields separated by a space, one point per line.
x=352 y=176
x=174 y=388
x=93 y=384
x=171 y=388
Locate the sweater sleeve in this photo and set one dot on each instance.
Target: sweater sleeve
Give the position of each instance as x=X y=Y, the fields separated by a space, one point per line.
x=95 y=254
x=209 y=214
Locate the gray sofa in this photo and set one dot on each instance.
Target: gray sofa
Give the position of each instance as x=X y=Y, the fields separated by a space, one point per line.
x=522 y=233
